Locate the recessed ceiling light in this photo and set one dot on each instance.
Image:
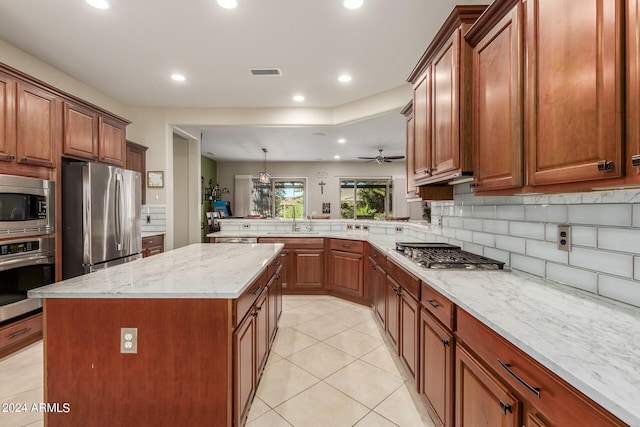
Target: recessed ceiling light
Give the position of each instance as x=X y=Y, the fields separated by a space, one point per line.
x=336 y=157
x=99 y=4
x=298 y=98
x=342 y=141
x=228 y=4
x=353 y=4
x=344 y=78
x=178 y=77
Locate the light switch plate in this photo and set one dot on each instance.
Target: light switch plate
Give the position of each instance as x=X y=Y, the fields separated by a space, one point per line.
x=129 y=340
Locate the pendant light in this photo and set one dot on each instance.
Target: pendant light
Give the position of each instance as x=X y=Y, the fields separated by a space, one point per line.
x=265 y=178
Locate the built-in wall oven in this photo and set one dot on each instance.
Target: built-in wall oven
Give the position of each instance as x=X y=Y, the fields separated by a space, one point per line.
x=25 y=264
x=26 y=206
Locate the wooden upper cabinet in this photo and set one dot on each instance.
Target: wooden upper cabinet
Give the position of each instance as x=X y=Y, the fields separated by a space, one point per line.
x=7 y=118
x=445 y=145
x=421 y=155
x=412 y=191
x=80 y=131
x=137 y=161
x=112 y=148
x=91 y=136
x=573 y=91
x=442 y=102
x=633 y=90
x=497 y=102
x=37 y=124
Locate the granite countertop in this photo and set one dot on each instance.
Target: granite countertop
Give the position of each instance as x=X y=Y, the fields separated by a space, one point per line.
x=585 y=339
x=152 y=233
x=200 y=270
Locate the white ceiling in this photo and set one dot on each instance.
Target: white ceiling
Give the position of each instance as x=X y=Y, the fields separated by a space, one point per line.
x=130 y=50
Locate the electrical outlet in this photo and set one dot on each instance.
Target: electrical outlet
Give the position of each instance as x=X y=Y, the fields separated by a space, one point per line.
x=349 y=227
x=246 y=226
x=148 y=219
x=365 y=228
x=564 y=237
x=398 y=229
x=129 y=340
x=357 y=227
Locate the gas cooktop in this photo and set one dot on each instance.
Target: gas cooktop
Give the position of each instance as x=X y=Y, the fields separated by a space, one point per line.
x=436 y=255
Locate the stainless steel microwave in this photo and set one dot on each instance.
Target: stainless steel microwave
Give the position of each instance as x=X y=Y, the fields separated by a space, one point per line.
x=27 y=206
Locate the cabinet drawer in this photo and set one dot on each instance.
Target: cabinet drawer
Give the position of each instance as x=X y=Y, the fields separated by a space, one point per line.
x=378 y=256
x=439 y=306
x=551 y=395
x=152 y=241
x=20 y=330
x=242 y=305
x=408 y=281
x=274 y=267
x=347 y=245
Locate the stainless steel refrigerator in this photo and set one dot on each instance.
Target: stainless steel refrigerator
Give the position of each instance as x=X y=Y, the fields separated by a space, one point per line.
x=100 y=217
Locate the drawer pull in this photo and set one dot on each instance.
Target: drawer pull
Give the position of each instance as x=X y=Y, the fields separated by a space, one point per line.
x=20 y=332
x=445 y=342
x=504 y=407
x=433 y=304
x=534 y=390
x=257 y=291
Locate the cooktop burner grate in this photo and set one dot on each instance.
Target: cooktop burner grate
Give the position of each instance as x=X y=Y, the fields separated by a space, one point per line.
x=444 y=255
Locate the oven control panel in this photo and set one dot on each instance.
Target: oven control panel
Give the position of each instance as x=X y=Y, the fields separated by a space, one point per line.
x=19 y=247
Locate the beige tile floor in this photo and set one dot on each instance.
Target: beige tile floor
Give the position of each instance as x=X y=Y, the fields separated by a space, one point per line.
x=330 y=366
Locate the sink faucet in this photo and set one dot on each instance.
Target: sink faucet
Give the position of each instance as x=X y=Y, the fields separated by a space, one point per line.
x=293 y=225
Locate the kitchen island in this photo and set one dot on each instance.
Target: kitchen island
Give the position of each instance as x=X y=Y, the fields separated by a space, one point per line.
x=187 y=307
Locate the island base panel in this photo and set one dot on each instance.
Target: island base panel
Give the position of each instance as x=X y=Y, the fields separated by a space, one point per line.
x=181 y=374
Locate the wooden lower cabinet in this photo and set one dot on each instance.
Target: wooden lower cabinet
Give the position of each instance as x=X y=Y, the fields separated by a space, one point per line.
x=152 y=245
x=303 y=264
x=408 y=344
x=436 y=369
x=378 y=283
x=244 y=375
x=346 y=273
x=481 y=399
x=20 y=333
x=392 y=315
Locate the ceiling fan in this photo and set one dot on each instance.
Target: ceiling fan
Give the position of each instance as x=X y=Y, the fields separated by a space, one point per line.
x=380 y=158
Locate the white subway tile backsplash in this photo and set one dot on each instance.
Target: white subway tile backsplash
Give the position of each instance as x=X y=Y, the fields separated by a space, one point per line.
x=607 y=262
x=565 y=199
x=546 y=250
x=466 y=210
x=529 y=265
x=546 y=213
x=473 y=248
x=449 y=232
x=464 y=235
x=574 y=277
x=584 y=236
x=603 y=214
x=619 y=239
x=485 y=239
x=473 y=224
x=511 y=244
x=619 y=289
x=636 y=267
x=514 y=213
x=498 y=255
x=495 y=200
x=488 y=212
x=636 y=215
x=551 y=232
x=529 y=230
x=495 y=226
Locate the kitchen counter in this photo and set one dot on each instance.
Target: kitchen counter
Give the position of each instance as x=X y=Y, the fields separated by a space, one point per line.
x=585 y=339
x=193 y=271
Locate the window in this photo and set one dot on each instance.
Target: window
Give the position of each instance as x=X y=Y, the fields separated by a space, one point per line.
x=281 y=199
x=366 y=198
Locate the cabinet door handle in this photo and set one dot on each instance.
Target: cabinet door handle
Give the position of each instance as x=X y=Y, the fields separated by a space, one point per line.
x=605 y=166
x=7 y=157
x=504 y=407
x=635 y=160
x=507 y=367
x=433 y=304
x=445 y=342
x=257 y=291
x=20 y=332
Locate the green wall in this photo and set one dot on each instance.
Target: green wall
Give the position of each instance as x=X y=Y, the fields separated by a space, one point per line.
x=209 y=171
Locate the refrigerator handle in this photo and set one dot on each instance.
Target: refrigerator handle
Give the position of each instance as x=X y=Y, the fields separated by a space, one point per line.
x=118 y=213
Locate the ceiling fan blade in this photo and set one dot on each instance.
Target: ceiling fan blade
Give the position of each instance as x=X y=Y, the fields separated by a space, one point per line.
x=394 y=157
x=386 y=160
x=367 y=158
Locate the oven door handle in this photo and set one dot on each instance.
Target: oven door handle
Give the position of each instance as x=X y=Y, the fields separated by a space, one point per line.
x=26 y=260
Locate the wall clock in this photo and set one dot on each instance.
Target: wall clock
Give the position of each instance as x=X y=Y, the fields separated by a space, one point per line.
x=155 y=179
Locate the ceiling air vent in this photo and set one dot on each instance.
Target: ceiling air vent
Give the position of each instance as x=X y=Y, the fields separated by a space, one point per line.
x=266 y=72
